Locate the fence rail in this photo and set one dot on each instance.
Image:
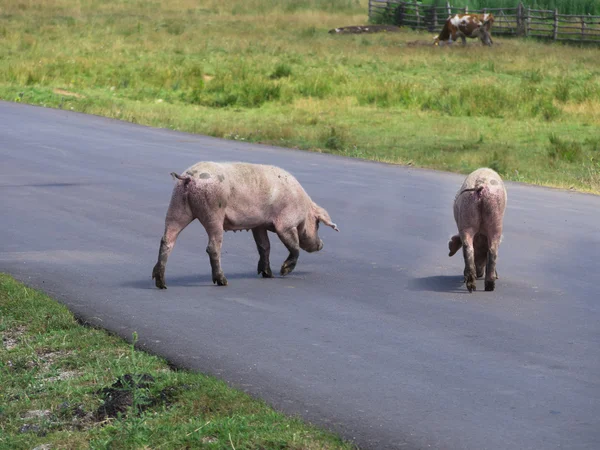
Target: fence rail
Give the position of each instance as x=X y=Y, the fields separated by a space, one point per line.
x=518 y=21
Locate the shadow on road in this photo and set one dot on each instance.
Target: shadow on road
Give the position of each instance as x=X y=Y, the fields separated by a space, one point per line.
x=44 y=185
x=438 y=283
x=205 y=280
x=200 y=280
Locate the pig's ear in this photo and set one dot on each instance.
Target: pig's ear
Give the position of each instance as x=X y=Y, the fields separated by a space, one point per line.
x=323 y=217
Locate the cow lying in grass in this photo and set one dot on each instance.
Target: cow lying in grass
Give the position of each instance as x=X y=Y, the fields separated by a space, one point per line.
x=467 y=26
x=479 y=213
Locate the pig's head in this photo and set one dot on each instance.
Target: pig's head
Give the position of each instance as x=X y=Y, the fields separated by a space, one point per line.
x=308 y=232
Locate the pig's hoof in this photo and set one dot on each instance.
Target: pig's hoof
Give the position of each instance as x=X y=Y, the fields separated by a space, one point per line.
x=220 y=280
x=264 y=270
x=287 y=267
x=267 y=273
x=490 y=285
x=471 y=286
x=158 y=275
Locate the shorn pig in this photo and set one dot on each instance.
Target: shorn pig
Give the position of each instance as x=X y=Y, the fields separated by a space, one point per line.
x=479 y=212
x=242 y=196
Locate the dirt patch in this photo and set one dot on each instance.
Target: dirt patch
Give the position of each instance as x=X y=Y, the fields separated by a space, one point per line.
x=35 y=414
x=359 y=29
x=67 y=93
x=119 y=397
x=46 y=358
x=11 y=338
x=62 y=376
x=74 y=417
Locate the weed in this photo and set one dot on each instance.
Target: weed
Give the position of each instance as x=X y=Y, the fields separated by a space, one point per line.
x=333 y=141
x=308 y=32
x=281 y=71
x=533 y=76
x=565 y=150
x=499 y=163
x=562 y=90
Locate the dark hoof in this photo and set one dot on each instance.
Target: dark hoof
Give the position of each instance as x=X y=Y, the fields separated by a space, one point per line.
x=158 y=274
x=220 y=280
x=490 y=285
x=287 y=267
x=264 y=271
x=470 y=281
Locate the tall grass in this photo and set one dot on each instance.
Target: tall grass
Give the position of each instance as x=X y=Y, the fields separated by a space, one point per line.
x=564 y=6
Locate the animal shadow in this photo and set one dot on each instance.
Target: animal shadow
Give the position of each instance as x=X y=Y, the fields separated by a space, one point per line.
x=205 y=280
x=438 y=283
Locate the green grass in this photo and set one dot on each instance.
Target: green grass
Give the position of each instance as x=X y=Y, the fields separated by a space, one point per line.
x=52 y=369
x=267 y=71
x=564 y=6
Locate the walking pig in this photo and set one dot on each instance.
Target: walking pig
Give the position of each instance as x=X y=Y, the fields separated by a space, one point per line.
x=242 y=196
x=479 y=212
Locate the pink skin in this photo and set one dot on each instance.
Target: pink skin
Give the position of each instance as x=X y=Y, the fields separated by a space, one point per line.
x=479 y=209
x=241 y=196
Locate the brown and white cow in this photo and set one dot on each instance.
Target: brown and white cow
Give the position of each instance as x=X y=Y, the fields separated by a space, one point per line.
x=467 y=25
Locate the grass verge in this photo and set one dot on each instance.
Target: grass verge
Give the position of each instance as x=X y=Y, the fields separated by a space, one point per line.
x=69 y=386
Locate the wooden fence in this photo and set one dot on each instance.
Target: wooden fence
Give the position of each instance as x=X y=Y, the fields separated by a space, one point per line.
x=518 y=21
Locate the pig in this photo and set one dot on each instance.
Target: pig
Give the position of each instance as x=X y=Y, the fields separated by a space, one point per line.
x=234 y=196
x=479 y=208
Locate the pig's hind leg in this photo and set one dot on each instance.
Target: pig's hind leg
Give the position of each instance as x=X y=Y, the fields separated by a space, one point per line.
x=480 y=244
x=264 y=248
x=469 y=257
x=178 y=217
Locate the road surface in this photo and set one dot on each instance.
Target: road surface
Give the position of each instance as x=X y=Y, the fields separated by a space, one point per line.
x=375 y=337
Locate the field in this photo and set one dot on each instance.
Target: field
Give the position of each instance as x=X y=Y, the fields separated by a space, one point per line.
x=268 y=71
x=67 y=386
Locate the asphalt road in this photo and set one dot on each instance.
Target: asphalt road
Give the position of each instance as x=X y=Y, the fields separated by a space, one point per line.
x=375 y=337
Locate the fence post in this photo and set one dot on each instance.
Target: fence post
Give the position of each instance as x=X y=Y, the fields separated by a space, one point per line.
x=555 y=30
x=399 y=14
x=435 y=22
x=417 y=13
x=582 y=28
x=449 y=8
x=528 y=21
x=520 y=19
x=466 y=10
